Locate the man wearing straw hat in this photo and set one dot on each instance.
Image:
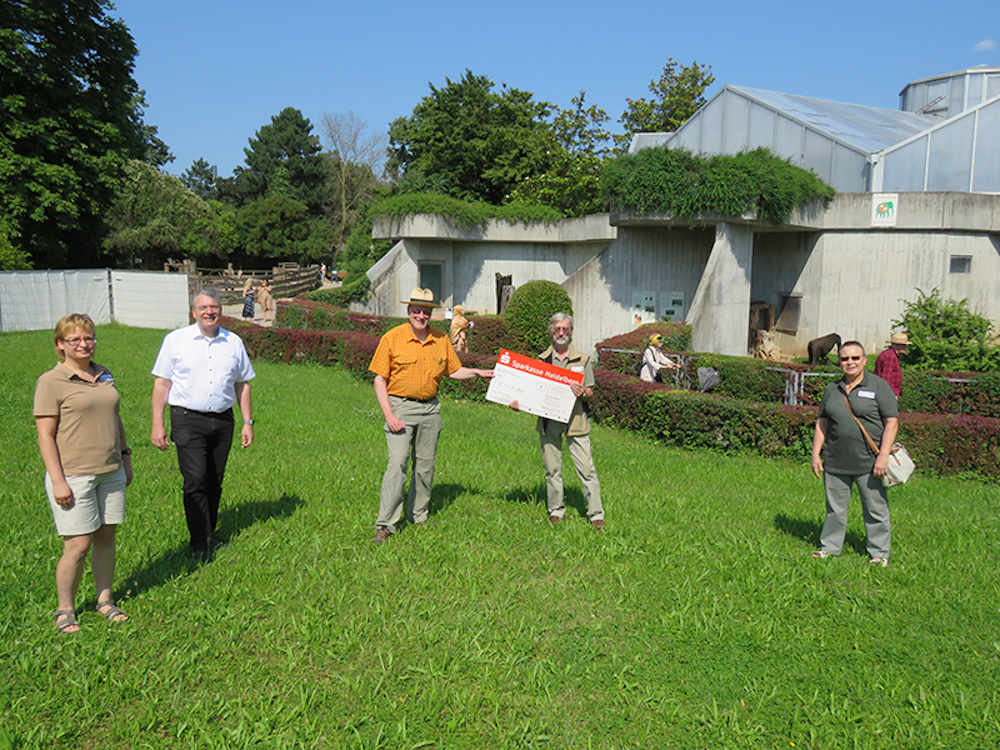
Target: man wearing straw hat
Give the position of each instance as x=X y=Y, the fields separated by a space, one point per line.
x=887 y=364
x=408 y=365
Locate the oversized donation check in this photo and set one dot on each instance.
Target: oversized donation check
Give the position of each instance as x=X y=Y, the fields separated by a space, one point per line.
x=538 y=387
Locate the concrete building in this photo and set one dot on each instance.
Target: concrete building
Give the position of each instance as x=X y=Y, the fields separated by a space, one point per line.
x=918 y=207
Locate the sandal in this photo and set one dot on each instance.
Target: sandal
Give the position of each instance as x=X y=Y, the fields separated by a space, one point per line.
x=70 y=620
x=879 y=562
x=820 y=554
x=113 y=612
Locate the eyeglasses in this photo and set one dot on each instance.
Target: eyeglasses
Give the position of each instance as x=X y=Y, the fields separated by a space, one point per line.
x=80 y=340
x=856 y=358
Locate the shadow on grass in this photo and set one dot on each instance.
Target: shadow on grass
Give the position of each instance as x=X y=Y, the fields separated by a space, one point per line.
x=177 y=560
x=809 y=532
x=572 y=497
x=443 y=496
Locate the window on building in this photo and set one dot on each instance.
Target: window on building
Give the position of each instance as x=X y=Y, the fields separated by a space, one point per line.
x=960 y=264
x=432 y=277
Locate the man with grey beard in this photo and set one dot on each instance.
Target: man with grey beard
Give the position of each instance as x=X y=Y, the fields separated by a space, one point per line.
x=577 y=430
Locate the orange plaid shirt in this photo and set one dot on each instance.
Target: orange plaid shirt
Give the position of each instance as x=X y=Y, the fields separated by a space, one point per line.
x=414 y=368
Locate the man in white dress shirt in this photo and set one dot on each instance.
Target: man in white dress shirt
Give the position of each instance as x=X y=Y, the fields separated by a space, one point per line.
x=201 y=371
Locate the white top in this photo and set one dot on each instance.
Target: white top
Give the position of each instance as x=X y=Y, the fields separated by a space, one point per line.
x=652 y=360
x=203 y=372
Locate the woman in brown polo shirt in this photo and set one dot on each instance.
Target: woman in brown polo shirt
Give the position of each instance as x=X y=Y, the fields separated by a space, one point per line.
x=87 y=465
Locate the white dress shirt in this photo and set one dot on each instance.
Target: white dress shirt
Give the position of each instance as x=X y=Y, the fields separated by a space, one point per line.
x=203 y=372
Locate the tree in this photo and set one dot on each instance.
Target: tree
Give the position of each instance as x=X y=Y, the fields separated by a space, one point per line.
x=200 y=179
x=572 y=183
x=471 y=142
x=12 y=257
x=355 y=157
x=154 y=217
x=69 y=121
x=677 y=95
x=283 y=192
x=285 y=157
x=946 y=335
x=279 y=227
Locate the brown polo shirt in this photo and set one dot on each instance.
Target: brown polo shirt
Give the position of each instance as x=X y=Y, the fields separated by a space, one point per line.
x=414 y=368
x=87 y=409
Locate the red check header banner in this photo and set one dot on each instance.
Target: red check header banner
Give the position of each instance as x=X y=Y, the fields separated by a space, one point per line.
x=538 y=368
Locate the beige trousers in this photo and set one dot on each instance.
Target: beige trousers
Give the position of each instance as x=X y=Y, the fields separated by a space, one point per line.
x=579 y=451
x=418 y=442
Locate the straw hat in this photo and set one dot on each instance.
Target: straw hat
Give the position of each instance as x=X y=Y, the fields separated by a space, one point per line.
x=899 y=338
x=422 y=297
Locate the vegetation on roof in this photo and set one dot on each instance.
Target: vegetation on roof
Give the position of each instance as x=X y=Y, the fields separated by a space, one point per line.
x=677 y=183
x=462 y=212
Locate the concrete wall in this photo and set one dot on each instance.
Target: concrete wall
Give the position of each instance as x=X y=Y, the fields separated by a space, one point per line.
x=852 y=277
x=642 y=259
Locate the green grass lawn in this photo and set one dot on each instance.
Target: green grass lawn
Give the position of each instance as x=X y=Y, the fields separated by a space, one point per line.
x=696 y=619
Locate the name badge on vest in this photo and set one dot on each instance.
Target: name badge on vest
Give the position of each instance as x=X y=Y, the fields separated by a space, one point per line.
x=866 y=394
x=576 y=368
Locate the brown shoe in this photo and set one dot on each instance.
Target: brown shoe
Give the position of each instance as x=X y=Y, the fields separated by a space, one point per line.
x=598 y=524
x=555 y=519
x=381 y=534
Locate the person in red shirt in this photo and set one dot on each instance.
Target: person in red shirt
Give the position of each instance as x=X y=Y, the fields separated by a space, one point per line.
x=887 y=363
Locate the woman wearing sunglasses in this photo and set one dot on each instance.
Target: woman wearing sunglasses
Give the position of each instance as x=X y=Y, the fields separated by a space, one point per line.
x=87 y=465
x=860 y=402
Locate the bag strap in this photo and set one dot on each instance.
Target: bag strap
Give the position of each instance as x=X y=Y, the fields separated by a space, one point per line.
x=868 y=438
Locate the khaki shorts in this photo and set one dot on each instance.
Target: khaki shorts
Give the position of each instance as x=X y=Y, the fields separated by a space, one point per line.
x=99 y=500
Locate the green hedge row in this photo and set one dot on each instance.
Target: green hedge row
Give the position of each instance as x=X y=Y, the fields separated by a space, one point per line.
x=944 y=444
x=488 y=334
x=970 y=393
x=938 y=443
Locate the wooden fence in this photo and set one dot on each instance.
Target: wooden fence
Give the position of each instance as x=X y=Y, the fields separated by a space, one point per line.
x=287 y=279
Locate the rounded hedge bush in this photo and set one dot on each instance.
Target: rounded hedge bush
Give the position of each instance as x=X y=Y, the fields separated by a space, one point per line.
x=530 y=308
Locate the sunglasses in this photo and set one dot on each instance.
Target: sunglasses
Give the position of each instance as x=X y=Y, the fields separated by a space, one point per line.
x=855 y=358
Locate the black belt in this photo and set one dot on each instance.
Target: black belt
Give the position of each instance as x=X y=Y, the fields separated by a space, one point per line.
x=212 y=414
x=418 y=400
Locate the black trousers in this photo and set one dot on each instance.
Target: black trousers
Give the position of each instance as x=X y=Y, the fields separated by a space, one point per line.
x=203 y=440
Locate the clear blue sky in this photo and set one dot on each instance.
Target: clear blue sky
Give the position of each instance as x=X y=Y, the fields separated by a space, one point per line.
x=215 y=71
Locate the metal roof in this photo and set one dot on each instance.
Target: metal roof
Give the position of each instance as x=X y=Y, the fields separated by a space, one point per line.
x=868 y=129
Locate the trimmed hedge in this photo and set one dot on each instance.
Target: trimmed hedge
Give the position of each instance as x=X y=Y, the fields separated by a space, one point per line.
x=932 y=392
x=530 y=308
x=938 y=443
x=488 y=335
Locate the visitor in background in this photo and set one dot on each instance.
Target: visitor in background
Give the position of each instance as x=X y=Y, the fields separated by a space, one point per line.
x=248 y=303
x=653 y=359
x=887 y=364
x=88 y=464
x=459 y=331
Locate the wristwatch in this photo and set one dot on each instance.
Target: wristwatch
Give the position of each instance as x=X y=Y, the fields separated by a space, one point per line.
x=248 y=421
x=127 y=452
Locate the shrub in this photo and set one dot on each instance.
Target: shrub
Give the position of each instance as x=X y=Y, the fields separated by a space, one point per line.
x=972 y=393
x=461 y=212
x=742 y=377
x=530 y=308
x=678 y=183
x=946 y=335
x=354 y=289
